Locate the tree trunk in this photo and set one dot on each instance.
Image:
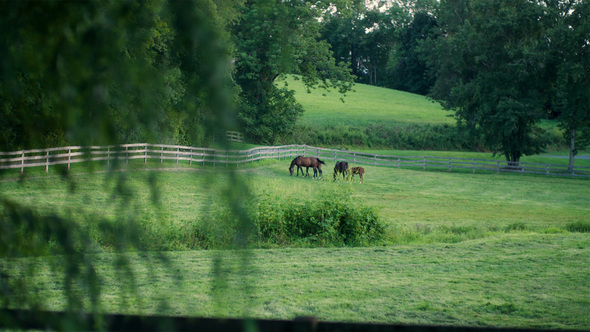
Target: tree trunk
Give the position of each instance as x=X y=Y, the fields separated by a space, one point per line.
x=572 y=148
x=513 y=160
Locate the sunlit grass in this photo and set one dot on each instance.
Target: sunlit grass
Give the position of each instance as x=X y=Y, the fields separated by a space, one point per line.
x=366 y=105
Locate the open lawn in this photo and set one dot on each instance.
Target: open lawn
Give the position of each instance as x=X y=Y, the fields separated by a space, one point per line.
x=459 y=249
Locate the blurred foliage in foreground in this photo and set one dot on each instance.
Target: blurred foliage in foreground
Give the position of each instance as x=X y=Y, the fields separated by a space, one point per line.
x=96 y=73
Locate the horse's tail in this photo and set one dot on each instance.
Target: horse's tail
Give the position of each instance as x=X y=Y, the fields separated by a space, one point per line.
x=321 y=162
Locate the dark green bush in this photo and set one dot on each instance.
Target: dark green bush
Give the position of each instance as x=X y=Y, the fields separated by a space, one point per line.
x=332 y=220
x=579 y=227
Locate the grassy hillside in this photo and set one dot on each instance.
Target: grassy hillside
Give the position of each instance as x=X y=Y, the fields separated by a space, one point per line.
x=367 y=105
x=374 y=117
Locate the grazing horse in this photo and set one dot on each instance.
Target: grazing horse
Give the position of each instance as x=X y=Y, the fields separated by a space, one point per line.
x=308 y=162
x=293 y=164
x=341 y=167
x=358 y=170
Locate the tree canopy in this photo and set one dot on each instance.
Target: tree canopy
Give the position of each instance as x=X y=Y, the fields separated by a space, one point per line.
x=570 y=50
x=489 y=67
x=106 y=72
x=275 y=38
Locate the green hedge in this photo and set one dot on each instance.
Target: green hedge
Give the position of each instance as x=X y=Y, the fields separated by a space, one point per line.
x=443 y=137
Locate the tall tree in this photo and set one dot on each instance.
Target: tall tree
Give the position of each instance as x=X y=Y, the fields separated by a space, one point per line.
x=409 y=71
x=488 y=66
x=364 y=37
x=62 y=88
x=275 y=38
x=570 y=43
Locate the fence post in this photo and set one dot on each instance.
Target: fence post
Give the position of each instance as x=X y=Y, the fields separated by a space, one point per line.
x=547 y=170
x=374 y=160
x=108 y=156
x=190 y=158
x=126 y=155
x=161 y=153
x=69 y=158
x=424 y=163
x=450 y=163
x=522 y=169
x=498 y=169
x=47 y=163
x=474 y=166
x=399 y=162
x=22 y=163
x=177 y=155
x=145 y=154
x=354 y=158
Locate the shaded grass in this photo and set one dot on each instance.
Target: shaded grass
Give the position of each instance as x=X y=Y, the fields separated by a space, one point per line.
x=521 y=280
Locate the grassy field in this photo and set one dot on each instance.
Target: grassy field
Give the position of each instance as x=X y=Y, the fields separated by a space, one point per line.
x=367 y=105
x=374 y=117
x=460 y=249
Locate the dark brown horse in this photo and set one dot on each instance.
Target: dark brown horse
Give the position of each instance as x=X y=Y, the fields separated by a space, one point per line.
x=308 y=162
x=358 y=170
x=293 y=164
x=341 y=167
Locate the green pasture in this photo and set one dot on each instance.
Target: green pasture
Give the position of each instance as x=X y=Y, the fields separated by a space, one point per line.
x=460 y=249
x=375 y=117
x=366 y=105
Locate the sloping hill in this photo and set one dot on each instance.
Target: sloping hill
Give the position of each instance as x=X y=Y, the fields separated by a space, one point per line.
x=367 y=105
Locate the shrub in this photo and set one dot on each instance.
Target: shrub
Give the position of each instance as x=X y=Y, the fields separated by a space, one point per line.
x=578 y=226
x=331 y=220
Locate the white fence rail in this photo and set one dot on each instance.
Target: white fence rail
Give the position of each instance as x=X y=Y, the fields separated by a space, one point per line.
x=212 y=157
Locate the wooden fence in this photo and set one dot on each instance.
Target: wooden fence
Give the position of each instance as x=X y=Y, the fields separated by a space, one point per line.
x=212 y=157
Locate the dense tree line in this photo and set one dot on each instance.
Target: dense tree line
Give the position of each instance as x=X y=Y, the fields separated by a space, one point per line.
x=501 y=66
x=116 y=72
x=109 y=72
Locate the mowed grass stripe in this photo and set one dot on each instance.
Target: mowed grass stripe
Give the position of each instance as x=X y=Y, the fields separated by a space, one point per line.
x=508 y=281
